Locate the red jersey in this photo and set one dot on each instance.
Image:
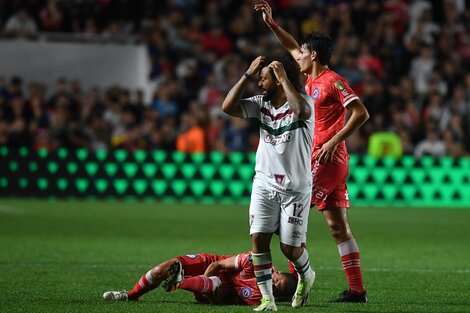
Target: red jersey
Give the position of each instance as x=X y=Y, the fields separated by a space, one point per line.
x=242 y=282
x=331 y=94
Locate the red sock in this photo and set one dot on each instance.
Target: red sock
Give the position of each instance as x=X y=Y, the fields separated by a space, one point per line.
x=144 y=285
x=352 y=269
x=200 y=284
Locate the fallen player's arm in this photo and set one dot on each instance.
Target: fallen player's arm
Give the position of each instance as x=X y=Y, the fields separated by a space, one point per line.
x=214 y=268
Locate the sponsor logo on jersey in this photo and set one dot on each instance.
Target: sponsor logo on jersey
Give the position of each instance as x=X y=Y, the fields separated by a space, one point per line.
x=246 y=292
x=315 y=93
x=279 y=178
x=277 y=140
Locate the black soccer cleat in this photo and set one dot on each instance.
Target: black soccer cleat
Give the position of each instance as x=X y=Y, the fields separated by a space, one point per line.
x=175 y=277
x=348 y=296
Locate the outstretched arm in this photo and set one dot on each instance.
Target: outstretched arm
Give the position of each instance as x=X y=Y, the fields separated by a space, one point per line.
x=231 y=104
x=284 y=37
x=296 y=102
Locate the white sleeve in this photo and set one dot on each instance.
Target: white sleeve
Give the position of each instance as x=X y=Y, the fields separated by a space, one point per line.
x=251 y=106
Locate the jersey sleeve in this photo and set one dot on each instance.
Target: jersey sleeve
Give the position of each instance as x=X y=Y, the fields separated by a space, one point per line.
x=251 y=106
x=344 y=92
x=243 y=262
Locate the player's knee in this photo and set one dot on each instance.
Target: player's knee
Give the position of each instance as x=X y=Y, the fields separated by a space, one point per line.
x=291 y=252
x=159 y=272
x=337 y=230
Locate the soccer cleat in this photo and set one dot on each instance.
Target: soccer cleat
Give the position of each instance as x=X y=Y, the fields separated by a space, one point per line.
x=302 y=293
x=115 y=295
x=175 y=277
x=348 y=296
x=267 y=304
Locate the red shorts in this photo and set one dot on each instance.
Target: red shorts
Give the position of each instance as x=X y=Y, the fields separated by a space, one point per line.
x=196 y=264
x=329 y=188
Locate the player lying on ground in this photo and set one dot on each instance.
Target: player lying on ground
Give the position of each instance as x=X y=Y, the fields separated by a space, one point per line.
x=215 y=279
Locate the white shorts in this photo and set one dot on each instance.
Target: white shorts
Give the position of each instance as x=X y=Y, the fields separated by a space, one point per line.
x=274 y=211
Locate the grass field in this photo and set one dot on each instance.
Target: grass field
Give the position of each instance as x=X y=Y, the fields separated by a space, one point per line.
x=59 y=256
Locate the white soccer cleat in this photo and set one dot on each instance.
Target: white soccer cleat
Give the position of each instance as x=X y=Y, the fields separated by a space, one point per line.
x=115 y=295
x=303 y=292
x=267 y=304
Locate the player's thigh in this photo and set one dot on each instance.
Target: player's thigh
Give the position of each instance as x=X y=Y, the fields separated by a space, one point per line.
x=264 y=210
x=196 y=264
x=294 y=219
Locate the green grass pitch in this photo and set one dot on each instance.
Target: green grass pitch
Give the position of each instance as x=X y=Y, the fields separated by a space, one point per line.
x=60 y=256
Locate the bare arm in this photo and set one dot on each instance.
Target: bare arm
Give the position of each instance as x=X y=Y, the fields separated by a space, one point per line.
x=289 y=43
x=231 y=104
x=359 y=115
x=296 y=102
x=214 y=268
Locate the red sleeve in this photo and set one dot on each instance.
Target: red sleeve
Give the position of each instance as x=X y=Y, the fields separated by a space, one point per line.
x=343 y=92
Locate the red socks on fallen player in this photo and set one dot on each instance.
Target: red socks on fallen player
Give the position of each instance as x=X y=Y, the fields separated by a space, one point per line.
x=200 y=284
x=144 y=285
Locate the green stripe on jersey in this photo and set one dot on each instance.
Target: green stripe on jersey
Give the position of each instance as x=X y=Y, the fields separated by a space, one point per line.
x=283 y=129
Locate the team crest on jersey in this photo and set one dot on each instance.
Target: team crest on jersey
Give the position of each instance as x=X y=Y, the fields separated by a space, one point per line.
x=279 y=178
x=315 y=93
x=246 y=293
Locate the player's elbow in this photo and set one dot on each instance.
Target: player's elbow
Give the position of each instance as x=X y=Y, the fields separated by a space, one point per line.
x=365 y=115
x=227 y=107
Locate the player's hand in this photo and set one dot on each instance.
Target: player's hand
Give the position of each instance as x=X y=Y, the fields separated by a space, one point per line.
x=278 y=70
x=264 y=7
x=326 y=153
x=256 y=65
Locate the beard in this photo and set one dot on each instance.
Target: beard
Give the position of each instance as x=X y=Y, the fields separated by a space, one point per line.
x=268 y=96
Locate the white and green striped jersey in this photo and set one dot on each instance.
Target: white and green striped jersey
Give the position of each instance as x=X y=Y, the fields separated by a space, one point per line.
x=283 y=158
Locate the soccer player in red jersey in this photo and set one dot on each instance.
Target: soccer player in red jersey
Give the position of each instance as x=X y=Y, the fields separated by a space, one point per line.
x=215 y=279
x=332 y=97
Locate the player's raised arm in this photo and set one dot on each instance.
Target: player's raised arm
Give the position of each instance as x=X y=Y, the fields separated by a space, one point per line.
x=231 y=104
x=284 y=37
x=297 y=103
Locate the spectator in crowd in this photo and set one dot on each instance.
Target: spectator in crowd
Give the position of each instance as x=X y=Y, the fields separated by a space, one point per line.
x=431 y=145
x=21 y=25
x=391 y=53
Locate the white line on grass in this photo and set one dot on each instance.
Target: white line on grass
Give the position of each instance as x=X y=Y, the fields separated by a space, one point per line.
x=11 y=210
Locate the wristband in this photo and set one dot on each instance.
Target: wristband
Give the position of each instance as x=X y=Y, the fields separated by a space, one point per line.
x=272 y=25
x=247 y=76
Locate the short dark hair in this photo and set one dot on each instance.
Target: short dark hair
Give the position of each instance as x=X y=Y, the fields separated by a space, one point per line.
x=321 y=44
x=291 y=287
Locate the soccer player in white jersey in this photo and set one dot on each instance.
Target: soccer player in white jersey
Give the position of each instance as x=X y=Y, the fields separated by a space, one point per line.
x=281 y=194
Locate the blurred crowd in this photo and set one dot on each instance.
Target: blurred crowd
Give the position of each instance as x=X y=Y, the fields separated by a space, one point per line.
x=409 y=61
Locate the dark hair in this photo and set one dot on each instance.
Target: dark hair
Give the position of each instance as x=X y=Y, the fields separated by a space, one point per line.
x=292 y=70
x=291 y=286
x=321 y=44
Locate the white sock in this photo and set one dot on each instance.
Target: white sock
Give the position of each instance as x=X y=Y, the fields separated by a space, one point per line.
x=262 y=263
x=302 y=266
